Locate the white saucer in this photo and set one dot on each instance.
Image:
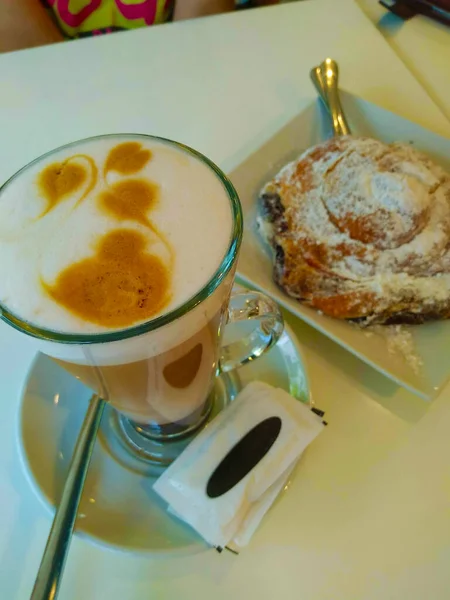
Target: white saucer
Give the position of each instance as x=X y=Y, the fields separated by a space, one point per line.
x=119 y=507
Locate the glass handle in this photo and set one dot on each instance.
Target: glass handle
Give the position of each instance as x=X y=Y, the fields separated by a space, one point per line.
x=245 y=306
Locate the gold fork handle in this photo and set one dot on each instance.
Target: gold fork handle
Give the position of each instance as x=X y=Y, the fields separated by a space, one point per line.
x=325 y=78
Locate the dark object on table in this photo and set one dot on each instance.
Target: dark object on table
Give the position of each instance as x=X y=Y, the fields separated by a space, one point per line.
x=435 y=9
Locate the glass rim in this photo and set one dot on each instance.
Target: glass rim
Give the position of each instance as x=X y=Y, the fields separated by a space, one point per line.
x=50 y=335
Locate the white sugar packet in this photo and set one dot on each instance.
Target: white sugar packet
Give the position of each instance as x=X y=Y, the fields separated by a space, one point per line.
x=226 y=503
x=259 y=508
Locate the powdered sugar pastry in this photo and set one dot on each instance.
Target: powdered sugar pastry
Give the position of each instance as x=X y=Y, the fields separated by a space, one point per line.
x=361 y=230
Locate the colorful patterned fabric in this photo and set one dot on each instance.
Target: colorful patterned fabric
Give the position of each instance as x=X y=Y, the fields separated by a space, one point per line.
x=78 y=18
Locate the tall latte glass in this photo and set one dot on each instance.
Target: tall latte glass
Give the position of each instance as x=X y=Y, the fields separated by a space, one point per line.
x=118 y=256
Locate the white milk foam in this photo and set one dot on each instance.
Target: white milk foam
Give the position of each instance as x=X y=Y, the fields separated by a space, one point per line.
x=193 y=213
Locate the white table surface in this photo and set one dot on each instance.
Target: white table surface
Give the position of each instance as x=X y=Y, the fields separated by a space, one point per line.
x=423 y=45
x=367 y=515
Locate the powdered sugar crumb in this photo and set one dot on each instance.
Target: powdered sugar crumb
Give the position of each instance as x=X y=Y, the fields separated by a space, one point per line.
x=400 y=342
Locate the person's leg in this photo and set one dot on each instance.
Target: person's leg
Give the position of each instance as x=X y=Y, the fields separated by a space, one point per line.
x=188 y=9
x=25 y=23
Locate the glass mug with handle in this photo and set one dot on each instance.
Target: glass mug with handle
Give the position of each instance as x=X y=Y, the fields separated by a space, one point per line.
x=158 y=372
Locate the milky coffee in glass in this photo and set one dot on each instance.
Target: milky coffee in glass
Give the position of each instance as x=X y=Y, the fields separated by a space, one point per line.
x=118 y=257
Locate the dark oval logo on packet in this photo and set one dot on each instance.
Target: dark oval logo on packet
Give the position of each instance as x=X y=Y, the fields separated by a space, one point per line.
x=243 y=457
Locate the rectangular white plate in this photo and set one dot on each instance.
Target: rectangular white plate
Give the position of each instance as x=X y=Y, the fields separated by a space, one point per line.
x=431 y=340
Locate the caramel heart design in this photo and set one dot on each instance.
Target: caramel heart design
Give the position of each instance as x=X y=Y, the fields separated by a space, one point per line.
x=59 y=180
x=127 y=158
x=130 y=199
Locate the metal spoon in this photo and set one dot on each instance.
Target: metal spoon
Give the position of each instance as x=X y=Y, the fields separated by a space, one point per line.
x=52 y=565
x=325 y=78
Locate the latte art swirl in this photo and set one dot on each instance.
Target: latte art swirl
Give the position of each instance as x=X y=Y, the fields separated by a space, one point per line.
x=361 y=229
x=110 y=232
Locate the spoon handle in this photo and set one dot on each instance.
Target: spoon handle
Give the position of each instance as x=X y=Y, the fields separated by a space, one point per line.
x=325 y=78
x=55 y=553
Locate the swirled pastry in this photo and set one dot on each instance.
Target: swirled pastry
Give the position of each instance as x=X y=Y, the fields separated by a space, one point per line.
x=361 y=230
